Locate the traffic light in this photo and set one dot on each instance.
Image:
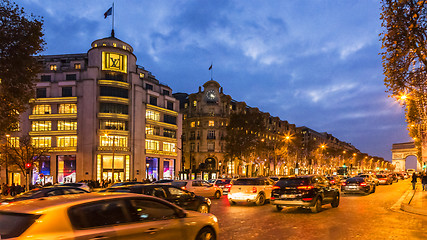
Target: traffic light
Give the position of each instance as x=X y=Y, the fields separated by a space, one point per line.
x=28 y=167
x=344 y=165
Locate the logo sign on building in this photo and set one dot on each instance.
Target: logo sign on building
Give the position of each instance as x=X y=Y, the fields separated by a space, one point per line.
x=114 y=62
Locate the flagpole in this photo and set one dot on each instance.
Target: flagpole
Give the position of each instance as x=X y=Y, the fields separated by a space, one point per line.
x=112 y=30
x=211 y=70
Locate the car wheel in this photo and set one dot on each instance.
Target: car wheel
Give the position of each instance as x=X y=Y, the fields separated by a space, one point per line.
x=279 y=208
x=203 y=208
x=232 y=202
x=260 y=200
x=336 y=202
x=217 y=194
x=206 y=233
x=317 y=206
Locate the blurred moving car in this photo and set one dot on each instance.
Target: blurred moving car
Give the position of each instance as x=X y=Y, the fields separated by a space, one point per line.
x=77 y=185
x=384 y=179
x=394 y=177
x=311 y=191
x=44 y=192
x=104 y=216
x=199 y=187
x=163 y=181
x=223 y=183
x=358 y=185
x=178 y=196
x=256 y=190
x=370 y=177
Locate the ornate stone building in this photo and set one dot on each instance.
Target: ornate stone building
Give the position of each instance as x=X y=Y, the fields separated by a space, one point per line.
x=101 y=116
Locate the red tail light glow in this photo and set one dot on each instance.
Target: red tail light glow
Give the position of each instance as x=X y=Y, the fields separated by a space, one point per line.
x=272 y=198
x=228 y=186
x=254 y=190
x=305 y=187
x=307 y=199
x=343 y=184
x=362 y=184
x=276 y=187
x=332 y=181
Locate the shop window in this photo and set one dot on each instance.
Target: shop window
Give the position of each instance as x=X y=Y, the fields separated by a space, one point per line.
x=168 y=168
x=66 y=168
x=152 y=167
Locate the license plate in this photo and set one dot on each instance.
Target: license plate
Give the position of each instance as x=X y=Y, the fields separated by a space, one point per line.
x=288 y=196
x=352 y=187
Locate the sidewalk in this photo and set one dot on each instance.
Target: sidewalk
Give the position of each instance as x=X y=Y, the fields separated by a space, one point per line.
x=415 y=201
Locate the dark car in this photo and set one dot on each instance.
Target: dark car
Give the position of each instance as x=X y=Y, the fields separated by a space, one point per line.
x=358 y=185
x=180 y=197
x=394 y=177
x=224 y=184
x=310 y=191
x=44 y=192
x=384 y=179
x=334 y=180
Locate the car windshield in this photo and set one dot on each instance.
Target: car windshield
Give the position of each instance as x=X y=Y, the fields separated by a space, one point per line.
x=292 y=182
x=355 y=180
x=14 y=224
x=179 y=184
x=247 y=181
x=381 y=176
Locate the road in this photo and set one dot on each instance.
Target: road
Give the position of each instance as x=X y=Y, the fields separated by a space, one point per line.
x=357 y=217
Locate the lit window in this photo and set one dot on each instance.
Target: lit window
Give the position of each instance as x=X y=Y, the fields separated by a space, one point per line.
x=66 y=141
x=151 y=144
x=77 y=66
x=41 y=142
x=42 y=109
x=198 y=123
x=115 y=125
x=211 y=134
x=193 y=124
x=66 y=125
x=152 y=130
x=152 y=115
x=68 y=108
x=211 y=123
x=141 y=75
x=124 y=47
x=114 y=45
x=194 y=103
x=53 y=67
x=119 y=141
x=185 y=105
x=96 y=45
x=13 y=142
x=41 y=126
x=168 y=147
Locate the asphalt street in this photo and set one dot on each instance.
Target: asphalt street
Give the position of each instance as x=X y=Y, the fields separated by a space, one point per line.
x=357 y=217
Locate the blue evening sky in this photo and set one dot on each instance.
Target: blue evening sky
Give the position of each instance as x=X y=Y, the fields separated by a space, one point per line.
x=314 y=63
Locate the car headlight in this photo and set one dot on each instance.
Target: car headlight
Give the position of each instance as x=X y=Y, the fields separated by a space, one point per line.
x=208 y=201
x=214 y=218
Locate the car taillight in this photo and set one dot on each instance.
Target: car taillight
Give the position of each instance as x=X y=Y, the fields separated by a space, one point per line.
x=305 y=187
x=254 y=190
x=272 y=198
x=332 y=181
x=276 y=187
x=343 y=184
x=228 y=186
x=215 y=185
x=362 y=184
x=183 y=188
x=384 y=179
x=307 y=199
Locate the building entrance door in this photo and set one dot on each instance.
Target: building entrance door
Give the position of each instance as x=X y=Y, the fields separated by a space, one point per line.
x=118 y=174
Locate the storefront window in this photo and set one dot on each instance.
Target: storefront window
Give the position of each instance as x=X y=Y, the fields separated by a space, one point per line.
x=168 y=168
x=42 y=173
x=152 y=168
x=107 y=167
x=66 y=168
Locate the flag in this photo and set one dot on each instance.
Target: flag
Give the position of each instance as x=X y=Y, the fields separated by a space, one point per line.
x=108 y=12
x=210 y=67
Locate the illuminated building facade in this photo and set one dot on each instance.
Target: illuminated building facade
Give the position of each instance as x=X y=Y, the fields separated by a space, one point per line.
x=101 y=116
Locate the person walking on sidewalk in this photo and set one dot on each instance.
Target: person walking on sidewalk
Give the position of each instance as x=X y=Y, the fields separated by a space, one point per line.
x=414 y=180
x=424 y=181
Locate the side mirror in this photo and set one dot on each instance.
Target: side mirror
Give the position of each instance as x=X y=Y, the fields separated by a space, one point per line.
x=181 y=214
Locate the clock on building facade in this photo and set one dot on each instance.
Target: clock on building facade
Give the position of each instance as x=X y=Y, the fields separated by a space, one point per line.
x=211 y=96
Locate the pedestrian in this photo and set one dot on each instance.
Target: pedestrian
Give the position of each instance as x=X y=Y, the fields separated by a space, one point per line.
x=414 y=180
x=424 y=181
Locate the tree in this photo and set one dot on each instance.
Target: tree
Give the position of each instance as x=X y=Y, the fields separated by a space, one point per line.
x=23 y=155
x=244 y=133
x=404 y=59
x=21 y=38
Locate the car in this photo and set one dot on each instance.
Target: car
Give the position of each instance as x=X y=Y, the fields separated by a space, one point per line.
x=384 y=179
x=163 y=181
x=358 y=185
x=252 y=190
x=178 y=196
x=334 y=180
x=307 y=191
x=400 y=176
x=370 y=177
x=44 y=193
x=81 y=185
x=126 y=183
x=394 y=177
x=104 y=216
x=199 y=187
x=410 y=171
x=223 y=183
